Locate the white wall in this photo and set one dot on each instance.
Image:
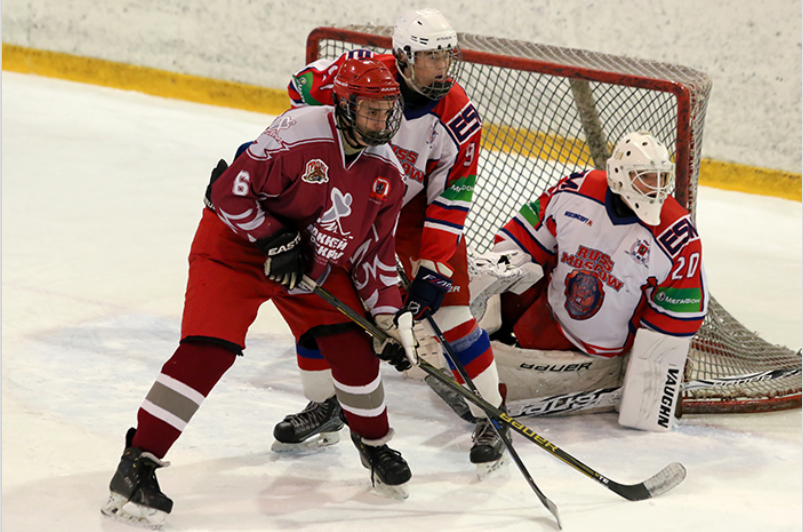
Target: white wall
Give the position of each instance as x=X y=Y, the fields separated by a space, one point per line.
x=751 y=49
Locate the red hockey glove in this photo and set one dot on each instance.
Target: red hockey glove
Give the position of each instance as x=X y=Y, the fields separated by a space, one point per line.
x=285 y=263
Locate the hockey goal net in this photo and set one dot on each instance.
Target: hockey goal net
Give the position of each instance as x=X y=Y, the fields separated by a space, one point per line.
x=548 y=112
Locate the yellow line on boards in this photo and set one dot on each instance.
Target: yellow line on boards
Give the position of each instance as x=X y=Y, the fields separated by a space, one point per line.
x=717 y=174
x=143 y=79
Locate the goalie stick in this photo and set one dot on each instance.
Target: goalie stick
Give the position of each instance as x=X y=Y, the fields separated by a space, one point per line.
x=590 y=399
x=658 y=484
x=760 y=376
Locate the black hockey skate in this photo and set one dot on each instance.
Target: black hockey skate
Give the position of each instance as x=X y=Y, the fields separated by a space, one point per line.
x=135 y=495
x=315 y=426
x=389 y=471
x=488 y=449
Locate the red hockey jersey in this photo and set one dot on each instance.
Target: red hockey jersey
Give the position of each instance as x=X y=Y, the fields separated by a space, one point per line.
x=437 y=145
x=296 y=173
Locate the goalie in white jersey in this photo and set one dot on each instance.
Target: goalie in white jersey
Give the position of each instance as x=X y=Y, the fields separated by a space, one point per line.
x=606 y=263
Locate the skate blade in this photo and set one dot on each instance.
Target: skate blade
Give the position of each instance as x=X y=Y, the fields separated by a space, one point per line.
x=121 y=509
x=400 y=492
x=485 y=469
x=312 y=445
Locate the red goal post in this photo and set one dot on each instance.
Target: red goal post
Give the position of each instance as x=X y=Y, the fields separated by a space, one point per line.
x=549 y=111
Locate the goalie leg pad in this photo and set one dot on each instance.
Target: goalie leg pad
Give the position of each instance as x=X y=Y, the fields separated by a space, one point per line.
x=557 y=382
x=652 y=383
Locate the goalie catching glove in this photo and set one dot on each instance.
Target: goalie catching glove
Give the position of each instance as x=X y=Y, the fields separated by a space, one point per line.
x=285 y=263
x=429 y=287
x=399 y=349
x=505 y=271
x=495 y=272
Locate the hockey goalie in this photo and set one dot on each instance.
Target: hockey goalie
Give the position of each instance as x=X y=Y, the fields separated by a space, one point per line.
x=592 y=293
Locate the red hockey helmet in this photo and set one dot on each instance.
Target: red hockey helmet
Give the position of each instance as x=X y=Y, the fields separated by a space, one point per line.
x=359 y=84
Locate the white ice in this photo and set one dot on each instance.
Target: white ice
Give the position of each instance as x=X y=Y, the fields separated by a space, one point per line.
x=101 y=194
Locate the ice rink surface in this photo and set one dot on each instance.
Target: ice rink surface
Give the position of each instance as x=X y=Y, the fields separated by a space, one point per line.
x=101 y=194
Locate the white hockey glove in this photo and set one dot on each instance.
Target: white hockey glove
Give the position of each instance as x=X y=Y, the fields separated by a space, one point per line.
x=651 y=388
x=400 y=349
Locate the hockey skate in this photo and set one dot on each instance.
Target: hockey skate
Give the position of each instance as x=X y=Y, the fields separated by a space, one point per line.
x=389 y=471
x=314 y=427
x=488 y=450
x=135 y=495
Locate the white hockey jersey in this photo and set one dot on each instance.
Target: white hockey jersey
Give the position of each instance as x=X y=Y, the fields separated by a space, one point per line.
x=437 y=145
x=612 y=274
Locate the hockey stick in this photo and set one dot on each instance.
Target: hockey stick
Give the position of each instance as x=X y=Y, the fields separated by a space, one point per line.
x=461 y=369
x=589 y=399
x=492 y=415
x=660 y=483
x=381 y=335
x=723 y=382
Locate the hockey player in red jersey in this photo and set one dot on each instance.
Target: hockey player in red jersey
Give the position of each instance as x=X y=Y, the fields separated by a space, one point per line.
x=438 y=146
x=623 y=273
x=318 y=193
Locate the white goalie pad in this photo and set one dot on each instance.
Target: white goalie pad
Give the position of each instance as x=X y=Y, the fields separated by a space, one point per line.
x=557 y=382
x=491 y=319
x=652 y=383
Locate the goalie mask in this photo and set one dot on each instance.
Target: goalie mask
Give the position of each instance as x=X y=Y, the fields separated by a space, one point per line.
x=426 y=52
x=640 y=171
x=368 y=102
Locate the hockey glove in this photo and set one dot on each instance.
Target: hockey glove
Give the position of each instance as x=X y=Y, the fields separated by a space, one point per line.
x=399 y=349
x=216 y=173
x=506 y=271
x=430 y=286
x=285 y=264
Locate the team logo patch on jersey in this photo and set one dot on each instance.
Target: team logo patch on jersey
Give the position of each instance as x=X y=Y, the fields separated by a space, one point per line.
x=584 y=294
x=341 y=208
x=380 y=189
x=640 y=251
x=317 y=172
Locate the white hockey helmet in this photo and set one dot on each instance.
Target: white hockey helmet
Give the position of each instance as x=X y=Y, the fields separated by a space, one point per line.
x=426 y=31
x=640 y=171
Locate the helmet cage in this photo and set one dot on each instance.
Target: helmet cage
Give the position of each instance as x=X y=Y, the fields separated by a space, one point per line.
x=641 y=173
x=406 y=61
x=417 y=36
x=359 y=81
x=347 y=109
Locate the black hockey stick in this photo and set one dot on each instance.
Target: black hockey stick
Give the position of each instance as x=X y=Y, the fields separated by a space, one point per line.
x=493 y=415
x=461 y=369
x=660 y=483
